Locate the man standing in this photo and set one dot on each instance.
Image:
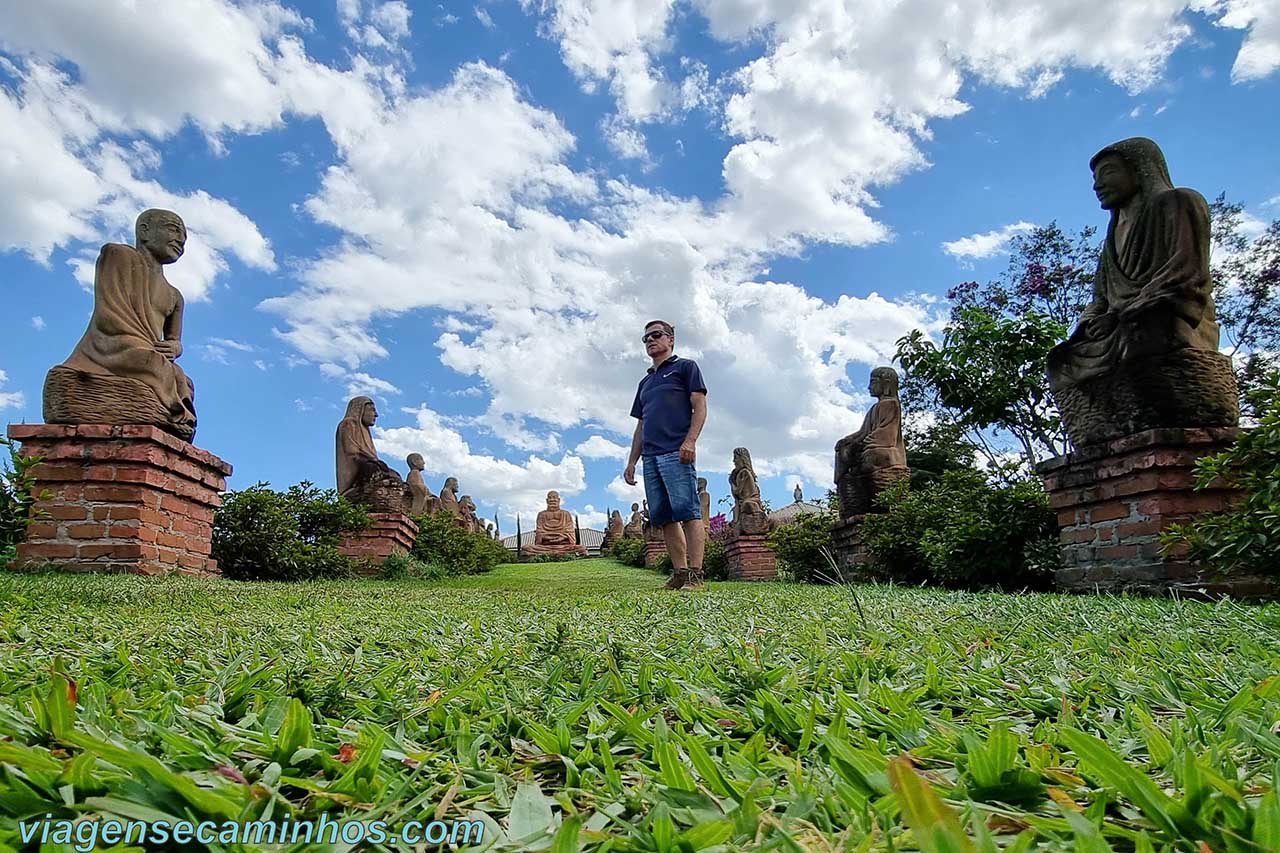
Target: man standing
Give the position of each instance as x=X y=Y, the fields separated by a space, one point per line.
x=670 y=409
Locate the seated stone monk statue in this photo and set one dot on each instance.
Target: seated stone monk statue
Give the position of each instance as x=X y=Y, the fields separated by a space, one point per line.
x=449 y=498
x=124 y=370
x=467 y=518
x=554 y=533
x=1145 y=353
x=422 y=502
x=635 y=526
x=873 y=458
x=749 y=517
x=613 y=531
x=363 y=478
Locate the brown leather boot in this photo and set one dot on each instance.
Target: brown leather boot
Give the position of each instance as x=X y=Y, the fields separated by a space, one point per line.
x=695 y=580
x=678 y=579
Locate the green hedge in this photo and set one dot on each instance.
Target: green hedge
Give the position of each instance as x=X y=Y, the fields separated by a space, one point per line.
x=455 y=551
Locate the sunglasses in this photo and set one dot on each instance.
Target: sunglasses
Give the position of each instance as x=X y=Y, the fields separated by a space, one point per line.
x=652 y=336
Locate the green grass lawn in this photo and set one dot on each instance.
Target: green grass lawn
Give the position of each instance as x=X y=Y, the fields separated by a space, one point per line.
x=581 y=706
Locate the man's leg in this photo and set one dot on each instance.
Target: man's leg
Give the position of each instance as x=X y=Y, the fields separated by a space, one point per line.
x=695 y=536
x=660 y=516
x=677 y=549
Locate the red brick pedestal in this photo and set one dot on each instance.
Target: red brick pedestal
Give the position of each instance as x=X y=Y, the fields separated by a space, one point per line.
x=750 y=559
x=123 y=499
x=850 y=552
x=1113 y=500
x=654 y=549
x=390 y=533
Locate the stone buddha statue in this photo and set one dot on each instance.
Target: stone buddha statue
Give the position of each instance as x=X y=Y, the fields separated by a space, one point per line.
x=363 y=478
x=449 y=498
x=467 y=518
x=613 y=531
x=422 y=502
x=1145 y=352
x=704 y=500
x=749 y=517
x=873 y=458
x=554 y=533
x=124 y=370
x=634 y=528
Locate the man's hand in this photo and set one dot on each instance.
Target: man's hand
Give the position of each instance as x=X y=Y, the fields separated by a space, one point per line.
x=629 y=475
x=688 y=452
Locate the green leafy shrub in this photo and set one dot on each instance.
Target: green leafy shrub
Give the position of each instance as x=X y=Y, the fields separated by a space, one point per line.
x=17 y=500
x=407 y=567
x=629 y=552
x=715 y=564
x=262 y=534
x=1246 y=539
x=964 y=532
x=799 y=545
x=456 y=551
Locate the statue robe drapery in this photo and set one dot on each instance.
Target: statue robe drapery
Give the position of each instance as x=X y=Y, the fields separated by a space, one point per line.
x=356 y=455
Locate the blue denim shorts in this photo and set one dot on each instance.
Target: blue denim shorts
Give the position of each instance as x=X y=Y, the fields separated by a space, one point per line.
x=671 y=487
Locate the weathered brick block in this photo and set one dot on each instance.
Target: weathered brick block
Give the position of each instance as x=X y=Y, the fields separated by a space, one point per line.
x=390 y=533
x=114 y=492
x=1114 y=499
x=654 y=550
x=750 y=559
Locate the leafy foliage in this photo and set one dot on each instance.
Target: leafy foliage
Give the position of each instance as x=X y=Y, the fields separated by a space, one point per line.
x=442 y=543
x=18 y=499
x=401 y=566
x=572 y=707
x=965 y=532
x=629 y=552
x=1246 y=539
x=261 y=534
x=799 y=545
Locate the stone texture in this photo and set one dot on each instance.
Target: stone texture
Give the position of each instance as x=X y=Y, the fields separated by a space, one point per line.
x=850 y=551
x=749 y=517
x=390 y=533
x=654 y=549
x=750 y=559
x=123 y=498
x=1145 y=353
x=124 y=369
x=873 y=458
x=1113 y=499
x=362 y=477
x=554 y=531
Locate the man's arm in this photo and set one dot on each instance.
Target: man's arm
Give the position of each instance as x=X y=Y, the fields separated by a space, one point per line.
x=637 y=443
x=688 y=448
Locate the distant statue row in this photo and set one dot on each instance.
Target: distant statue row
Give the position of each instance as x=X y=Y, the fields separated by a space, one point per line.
x=366 y=480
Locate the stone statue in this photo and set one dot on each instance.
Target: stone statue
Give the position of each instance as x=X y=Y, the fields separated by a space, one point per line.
x=422 y=502
x=467 y=518
x=635 y=526
x=798 y=494
x=749 y=517
x=124 y=370
x=363 y=478
x=704 y=500
x=554 y=533
x=614 y=532
x=1145 y=353
x=873 y=458
x=449 y=498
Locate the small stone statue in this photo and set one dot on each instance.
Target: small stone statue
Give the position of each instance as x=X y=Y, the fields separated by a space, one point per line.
x=554 y=533
x=635 y=526
x=449 y=498
x=363 y=478
x=422 y=501
x=798 y=494
x=704 y=500
x=124 y=370
x=613 y=532
x=749 y=517
x=467 y=518
x=875 y=457
x=1145 y=353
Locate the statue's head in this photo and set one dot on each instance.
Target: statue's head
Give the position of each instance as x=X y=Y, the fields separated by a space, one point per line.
x=635 y=507
x=884 y=382
x=466 y=503
x=553 y=500
x=416 y=462
x=702 y=484
x=741 y=457
x=161 y=233
x=659 y=339
x=617 y=514
x=451 y=484
x=363 y=410
x=1127 y=168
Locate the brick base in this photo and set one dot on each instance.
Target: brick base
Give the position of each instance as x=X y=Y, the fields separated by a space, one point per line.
x=1113 y=499
x=654 y=549
x=850 y=551
x=390 y=533
x=122 y=499
x=750 y=559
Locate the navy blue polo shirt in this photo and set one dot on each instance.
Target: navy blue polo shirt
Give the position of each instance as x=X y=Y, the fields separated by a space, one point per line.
x=663 y=402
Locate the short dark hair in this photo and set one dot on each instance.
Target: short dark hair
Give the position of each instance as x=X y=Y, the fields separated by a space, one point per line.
x=666 y=327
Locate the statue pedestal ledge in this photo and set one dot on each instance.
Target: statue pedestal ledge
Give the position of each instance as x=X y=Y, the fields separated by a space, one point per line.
x=1114 y=498
x=850 y=551
x=390 y=533
x=128 y=499
x=750 y=559
x=654 y=549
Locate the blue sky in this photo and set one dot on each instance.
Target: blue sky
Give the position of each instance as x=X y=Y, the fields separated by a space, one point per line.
x=468 y=210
